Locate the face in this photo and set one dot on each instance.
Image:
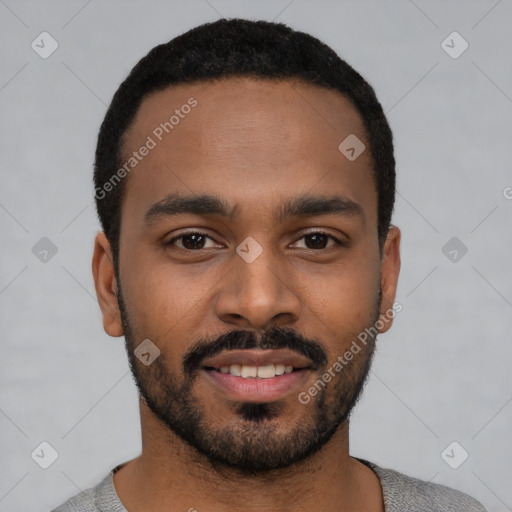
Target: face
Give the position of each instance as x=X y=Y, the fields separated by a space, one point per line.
x=249 y=258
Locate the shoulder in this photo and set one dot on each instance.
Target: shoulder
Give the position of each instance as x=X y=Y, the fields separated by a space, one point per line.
x=82 y=502
x=405 y=493
x=101 y=498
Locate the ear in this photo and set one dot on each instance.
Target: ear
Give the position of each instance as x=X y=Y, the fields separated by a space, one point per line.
x=390 y=268
x=106 y=285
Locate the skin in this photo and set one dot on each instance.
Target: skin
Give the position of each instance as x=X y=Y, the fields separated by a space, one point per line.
x=255 y=144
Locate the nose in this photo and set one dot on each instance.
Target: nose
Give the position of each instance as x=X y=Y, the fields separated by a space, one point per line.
x=258 y=294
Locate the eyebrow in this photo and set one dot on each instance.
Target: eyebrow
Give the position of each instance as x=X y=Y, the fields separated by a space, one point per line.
x=209 y=205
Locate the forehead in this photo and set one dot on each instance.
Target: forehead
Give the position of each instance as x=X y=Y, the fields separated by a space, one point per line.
x=252 y=142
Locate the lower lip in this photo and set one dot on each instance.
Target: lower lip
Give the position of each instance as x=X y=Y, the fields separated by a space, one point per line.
x=258 y=390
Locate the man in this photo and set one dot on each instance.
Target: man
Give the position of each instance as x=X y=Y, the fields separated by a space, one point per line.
x=245 y=182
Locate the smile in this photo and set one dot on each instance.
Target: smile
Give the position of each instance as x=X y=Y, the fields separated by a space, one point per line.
x=256 y=372
x=257 y=375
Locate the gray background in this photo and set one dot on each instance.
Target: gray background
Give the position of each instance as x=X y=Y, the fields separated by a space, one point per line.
x=442 y=373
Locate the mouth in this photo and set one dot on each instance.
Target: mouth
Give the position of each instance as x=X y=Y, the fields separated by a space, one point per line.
x=268 y=371
x=257 y=375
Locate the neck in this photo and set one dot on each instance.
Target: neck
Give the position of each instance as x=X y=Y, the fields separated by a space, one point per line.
x=170 y=471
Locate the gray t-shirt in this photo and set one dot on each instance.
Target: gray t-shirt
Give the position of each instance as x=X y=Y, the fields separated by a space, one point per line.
x=401 y=494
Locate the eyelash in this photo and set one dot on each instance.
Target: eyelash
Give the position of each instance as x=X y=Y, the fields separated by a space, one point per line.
x=188 y=233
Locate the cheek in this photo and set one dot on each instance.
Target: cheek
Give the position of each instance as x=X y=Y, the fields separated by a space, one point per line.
x=345 y=296
x=164 y=297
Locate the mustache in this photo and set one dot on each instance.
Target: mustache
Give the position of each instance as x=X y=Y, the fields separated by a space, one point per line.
x=275 y=338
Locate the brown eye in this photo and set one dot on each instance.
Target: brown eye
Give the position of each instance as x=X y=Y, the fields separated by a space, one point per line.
x=318 y=240
x=192 y=241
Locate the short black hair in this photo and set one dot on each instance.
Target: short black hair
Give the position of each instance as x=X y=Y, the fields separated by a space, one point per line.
x=238 y=48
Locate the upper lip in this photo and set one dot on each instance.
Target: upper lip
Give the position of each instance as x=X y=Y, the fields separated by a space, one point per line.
x=258 y=357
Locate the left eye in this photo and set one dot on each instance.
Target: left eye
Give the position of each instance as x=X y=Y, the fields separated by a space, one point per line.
x=195 y=240
x=319 y=238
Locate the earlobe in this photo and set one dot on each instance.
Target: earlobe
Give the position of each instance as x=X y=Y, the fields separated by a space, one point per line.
x=390 y=269
x=106 y=285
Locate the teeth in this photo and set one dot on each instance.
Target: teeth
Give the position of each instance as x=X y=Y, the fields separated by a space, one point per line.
x=261 y=372
x=249 y=371
x=235 y=369
x=266 y=372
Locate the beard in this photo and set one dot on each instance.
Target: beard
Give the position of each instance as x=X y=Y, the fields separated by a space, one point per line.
x=260 y=439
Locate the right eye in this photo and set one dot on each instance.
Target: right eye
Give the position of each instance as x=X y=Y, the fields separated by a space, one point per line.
x=190 y=241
